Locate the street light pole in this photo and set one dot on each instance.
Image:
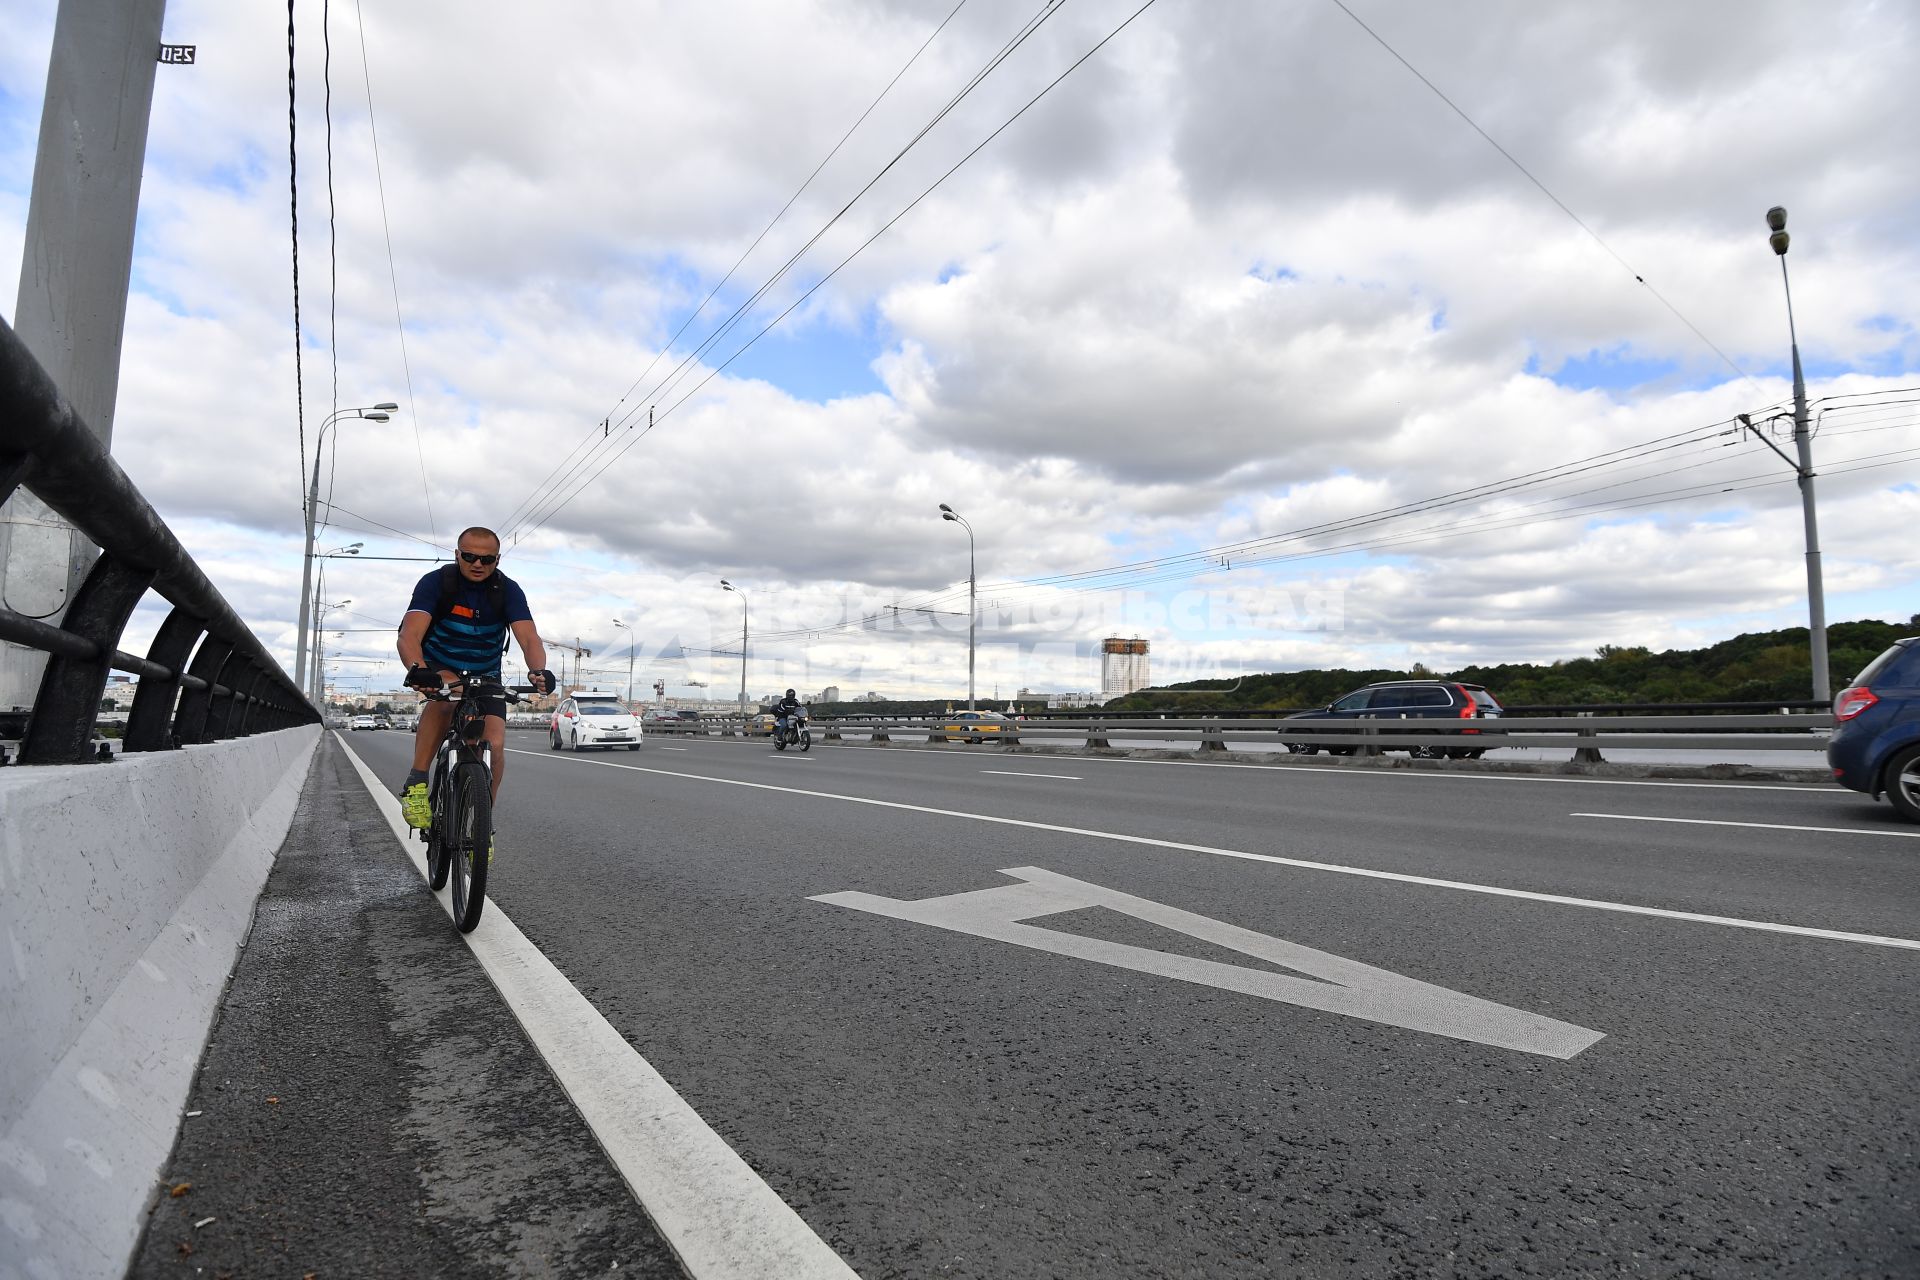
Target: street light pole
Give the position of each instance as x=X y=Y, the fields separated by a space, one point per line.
x=319 y=590
x=629 y=630
x=1803 y=446
x=319 y=628
x=743 y=641
x=948 y=513
x=373 y=413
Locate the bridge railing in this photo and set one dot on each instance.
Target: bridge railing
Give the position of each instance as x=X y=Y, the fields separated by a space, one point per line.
x=1584 y=734
x=205 y=676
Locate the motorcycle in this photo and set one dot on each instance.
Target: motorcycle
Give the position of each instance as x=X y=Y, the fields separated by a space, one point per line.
x=792 y=731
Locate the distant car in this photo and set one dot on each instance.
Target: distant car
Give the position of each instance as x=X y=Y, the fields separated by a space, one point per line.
x=667 y=720
x=1875 y=745
x=973 y=725
x=383 y=722
x=590 y=718
x=1410 y=700
x=363 y=722
x=760 y=726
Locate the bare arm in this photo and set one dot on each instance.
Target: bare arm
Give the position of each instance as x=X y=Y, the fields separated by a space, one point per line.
x=532 y=648
x=413 y=634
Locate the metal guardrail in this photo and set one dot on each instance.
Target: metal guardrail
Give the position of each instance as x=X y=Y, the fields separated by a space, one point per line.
x=1523 y=709
x=205 y=677
x=1585 y=735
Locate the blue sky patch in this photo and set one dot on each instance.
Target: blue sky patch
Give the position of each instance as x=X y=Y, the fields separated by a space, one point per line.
x=809 y=359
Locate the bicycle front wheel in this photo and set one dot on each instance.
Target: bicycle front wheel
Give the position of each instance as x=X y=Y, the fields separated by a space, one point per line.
x=439 y=830
x=470 y=842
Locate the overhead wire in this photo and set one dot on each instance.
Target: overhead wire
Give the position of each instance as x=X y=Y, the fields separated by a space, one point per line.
x=393 y=275
x=293 y=202
x=1711 y=438
x=1558 y=202
x=798 y=192
x=534 y=515
x=333 y=255
x=556 y=507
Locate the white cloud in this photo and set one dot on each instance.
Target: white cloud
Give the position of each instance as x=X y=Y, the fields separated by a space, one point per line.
x=1240 y=275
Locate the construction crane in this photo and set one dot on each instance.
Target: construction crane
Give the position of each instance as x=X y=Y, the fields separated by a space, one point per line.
x=579 y=655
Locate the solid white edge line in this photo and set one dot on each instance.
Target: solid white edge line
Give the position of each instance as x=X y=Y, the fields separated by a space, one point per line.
x=1763 y=826
x=1595 y=904
x=1014 y=773
x=719 y=1217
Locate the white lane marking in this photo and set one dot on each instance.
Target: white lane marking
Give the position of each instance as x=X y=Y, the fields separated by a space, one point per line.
x=1803 y=788
x=721 y=1219
x=1763 y=826
x=1011 y=773
x=1345 y=987
x=1596 y=904
x=673 y=748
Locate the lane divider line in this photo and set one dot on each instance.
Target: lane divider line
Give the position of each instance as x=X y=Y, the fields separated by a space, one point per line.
x=1763 y=826
x=719 y=1217
x=1400 y=877
x=1011 y=773
x=1803 y=788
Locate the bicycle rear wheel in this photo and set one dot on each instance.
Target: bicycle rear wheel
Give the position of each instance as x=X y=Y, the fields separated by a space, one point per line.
x=470 y=841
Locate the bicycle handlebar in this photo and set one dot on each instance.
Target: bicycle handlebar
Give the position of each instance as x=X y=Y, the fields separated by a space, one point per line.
x=478 y=688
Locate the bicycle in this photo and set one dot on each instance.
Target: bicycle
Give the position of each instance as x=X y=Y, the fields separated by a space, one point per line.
x=460 y=836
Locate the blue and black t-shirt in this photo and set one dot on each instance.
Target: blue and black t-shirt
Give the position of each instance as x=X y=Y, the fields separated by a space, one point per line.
x=473 y=634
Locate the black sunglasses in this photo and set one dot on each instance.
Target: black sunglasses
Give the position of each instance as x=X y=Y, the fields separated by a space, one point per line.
x=472 y=558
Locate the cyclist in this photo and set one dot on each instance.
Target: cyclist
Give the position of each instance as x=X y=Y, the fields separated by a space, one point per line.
x=457 y=621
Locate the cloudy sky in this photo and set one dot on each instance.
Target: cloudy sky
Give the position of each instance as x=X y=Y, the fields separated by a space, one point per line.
x=1239 y=338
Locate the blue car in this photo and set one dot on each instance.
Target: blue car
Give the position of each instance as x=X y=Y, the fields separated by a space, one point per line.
x=1875 y=746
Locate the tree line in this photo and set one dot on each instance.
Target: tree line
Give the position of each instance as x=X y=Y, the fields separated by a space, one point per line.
x=1761 y=666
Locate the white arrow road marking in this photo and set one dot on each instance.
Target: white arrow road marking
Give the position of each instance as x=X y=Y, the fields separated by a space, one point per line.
x=1345 y=987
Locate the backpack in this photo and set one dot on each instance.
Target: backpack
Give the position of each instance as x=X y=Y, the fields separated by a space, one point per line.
x=450 y=581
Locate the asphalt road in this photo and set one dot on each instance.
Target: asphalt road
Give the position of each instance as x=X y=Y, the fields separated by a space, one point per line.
x=1410 y=1023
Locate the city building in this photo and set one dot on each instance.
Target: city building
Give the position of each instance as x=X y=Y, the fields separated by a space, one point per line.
x=830 y=694
x=1123 y=666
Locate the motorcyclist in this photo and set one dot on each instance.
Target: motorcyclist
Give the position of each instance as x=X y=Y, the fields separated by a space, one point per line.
x=790 y=706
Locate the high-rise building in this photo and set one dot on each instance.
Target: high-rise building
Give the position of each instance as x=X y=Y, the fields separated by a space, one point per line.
x=1123 y=666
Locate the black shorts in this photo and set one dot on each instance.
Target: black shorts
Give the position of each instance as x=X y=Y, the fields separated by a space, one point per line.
x=494 y=706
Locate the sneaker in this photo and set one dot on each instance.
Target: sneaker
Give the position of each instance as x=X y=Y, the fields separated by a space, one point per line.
x=417 y=807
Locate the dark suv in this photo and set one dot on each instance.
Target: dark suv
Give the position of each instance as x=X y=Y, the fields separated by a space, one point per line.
x=1875 y=746
x=1412 y=700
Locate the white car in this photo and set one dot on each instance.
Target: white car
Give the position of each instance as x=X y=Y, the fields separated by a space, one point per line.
x=591 y=718
x=363 y=722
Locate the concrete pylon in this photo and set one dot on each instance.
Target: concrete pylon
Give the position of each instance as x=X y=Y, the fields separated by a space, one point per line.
x=73 y=280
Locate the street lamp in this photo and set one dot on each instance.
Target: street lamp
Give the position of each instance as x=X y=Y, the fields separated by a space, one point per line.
x=1803 y=446
x=948 y=513
x=743 y=642
x=319 y=622
x=629 y=630
x=373 y=413
x=319 y=590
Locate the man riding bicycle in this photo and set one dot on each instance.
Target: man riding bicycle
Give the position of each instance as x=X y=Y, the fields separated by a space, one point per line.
x=458 y=621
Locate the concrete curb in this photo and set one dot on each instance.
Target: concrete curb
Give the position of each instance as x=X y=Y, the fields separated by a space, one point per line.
x=126 y=892
x=1278 y=760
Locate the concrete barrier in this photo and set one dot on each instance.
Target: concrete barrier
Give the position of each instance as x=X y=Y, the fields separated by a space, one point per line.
x=126 y=892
